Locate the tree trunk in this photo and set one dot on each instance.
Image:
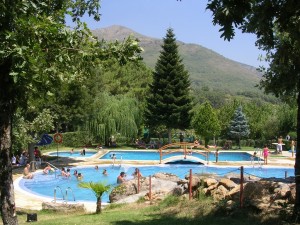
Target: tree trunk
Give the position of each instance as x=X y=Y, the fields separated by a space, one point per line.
x=31 y=152
x=206 y=140
x=297 y=166
x=169 y=135
x=99 y=203
x=8 y=209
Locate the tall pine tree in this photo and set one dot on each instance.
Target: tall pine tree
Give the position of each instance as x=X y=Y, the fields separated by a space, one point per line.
x=169 y=102
x=239 y=126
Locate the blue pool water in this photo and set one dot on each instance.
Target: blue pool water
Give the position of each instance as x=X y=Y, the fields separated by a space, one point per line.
x=154 y=155
x=72 y=155
x=44 y=185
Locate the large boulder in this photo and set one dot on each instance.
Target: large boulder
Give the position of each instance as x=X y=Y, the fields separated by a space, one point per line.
x=219 y=193
x=256 y=190
x=63 y=207
x=210 y=181
x=229 y=184
x=167 y=176
x=178 y=191
x=234 y=193
x=292 y=196
x=195 y=182
x=282 y=191
x=128 y=191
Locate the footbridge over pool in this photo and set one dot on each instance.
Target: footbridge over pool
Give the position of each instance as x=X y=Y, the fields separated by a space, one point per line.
x=188 y=150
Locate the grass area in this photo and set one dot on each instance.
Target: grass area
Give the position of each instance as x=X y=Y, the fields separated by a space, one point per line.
x=172 y=210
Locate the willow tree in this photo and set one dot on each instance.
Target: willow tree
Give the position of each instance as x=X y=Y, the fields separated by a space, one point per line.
x=117 y=116
x=169 y=101
x=37 y=52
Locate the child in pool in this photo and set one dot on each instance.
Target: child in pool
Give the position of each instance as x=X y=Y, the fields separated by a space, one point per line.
x=80 y=176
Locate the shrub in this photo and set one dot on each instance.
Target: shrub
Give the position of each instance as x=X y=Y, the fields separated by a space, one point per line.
x=76 y=139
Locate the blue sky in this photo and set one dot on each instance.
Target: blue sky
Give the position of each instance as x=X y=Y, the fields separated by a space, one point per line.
x=189 y=19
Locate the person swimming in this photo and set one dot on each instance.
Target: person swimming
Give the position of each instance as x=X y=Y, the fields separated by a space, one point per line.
x=137 y=173
x=121 y=178
x=105 y=172
x=80 y=176
x=47 y=169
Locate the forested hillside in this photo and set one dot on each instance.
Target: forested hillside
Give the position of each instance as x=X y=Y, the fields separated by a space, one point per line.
x=210 y=72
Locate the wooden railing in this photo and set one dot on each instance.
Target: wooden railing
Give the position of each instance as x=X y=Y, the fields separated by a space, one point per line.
x=186 y=148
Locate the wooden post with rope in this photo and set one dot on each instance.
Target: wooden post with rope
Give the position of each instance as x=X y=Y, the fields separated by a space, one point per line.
x=190 y=185
x=150 y=189
x=241 y=187
x=139 y=181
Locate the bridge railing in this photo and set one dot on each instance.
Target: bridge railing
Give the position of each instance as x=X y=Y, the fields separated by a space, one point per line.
x=185 y=147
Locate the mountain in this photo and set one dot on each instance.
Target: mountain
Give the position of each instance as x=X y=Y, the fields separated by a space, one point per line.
x=207 y=68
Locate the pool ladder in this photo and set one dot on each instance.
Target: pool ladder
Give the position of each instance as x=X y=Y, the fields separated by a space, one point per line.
x=69 y=189
x=64 y=197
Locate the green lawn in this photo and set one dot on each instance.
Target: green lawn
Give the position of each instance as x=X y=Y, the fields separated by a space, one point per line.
x=171 y=211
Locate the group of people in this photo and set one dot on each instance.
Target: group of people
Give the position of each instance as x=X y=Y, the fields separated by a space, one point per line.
x=23 y=159
x=122 y=177
x=279 y=147
x=79 y=176
x=83 y=151
x=104 y=172
x=66 y=173
x=20 y=160
x=280 y=144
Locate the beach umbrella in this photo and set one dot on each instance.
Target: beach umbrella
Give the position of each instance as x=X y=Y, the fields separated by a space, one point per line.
x=45 y=140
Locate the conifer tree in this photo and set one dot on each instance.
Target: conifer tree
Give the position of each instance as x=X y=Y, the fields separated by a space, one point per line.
x=239 y=126
x=169 y=102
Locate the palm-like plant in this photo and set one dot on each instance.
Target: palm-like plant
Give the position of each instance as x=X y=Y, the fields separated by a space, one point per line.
x=99 y=188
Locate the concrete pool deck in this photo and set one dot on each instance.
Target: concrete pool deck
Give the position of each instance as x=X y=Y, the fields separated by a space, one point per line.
x=30 y=202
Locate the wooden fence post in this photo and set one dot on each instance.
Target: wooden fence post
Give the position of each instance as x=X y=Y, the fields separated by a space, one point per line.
x=190 y=185
x=138 y=180
x=150 y=188
x=242 y=187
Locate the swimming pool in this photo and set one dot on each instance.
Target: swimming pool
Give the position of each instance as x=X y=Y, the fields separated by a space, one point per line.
x=44 y=185
x=72 y=155
x=154 y=155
